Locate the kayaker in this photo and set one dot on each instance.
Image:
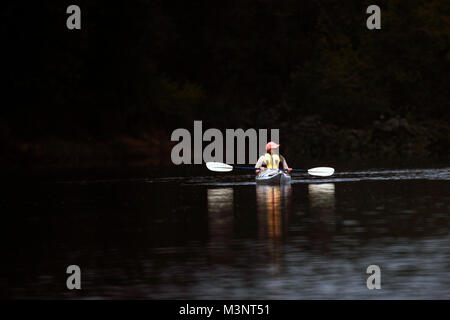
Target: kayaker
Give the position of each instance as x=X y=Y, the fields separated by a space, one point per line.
x=272 y=159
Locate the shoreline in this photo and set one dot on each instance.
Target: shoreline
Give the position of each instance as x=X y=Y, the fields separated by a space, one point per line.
x=311 y=140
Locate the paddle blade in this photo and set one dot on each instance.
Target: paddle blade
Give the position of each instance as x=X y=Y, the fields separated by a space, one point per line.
x=321 y=171
x=219 y=167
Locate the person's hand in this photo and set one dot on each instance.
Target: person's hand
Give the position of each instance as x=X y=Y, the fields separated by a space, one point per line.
x=257 y=170
x=289 y=169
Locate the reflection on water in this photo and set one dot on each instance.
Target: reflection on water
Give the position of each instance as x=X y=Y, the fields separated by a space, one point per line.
x=321 y=195
x=172 y=239
x=220 y=215
x=272 y=203
x=322 y=201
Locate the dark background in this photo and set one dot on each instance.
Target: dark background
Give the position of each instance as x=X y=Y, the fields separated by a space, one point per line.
x=90 y=113
x=110 y=94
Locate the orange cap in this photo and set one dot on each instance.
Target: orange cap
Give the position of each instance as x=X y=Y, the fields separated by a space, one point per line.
x=271 y=145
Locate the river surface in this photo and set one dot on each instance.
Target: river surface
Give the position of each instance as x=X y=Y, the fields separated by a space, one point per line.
x=220 y=236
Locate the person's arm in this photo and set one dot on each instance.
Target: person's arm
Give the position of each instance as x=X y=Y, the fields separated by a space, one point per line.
x=259 y=163
x=285 y=165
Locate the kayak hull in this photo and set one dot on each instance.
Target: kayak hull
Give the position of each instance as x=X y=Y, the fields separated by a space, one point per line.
x=273 y=177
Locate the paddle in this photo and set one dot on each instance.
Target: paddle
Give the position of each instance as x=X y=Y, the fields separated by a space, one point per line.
x=223 y=167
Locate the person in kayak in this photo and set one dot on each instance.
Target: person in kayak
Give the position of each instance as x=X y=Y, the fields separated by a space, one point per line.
x=272 y=159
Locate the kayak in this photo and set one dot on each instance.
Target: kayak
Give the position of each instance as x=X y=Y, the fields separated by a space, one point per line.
x=273 y=177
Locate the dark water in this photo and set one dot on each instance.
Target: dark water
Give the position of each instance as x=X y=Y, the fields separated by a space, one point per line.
x=223 y=237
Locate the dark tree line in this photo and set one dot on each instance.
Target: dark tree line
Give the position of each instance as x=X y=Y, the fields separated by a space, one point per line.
x=145 y=65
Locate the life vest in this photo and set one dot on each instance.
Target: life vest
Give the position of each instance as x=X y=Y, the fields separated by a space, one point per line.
x=272 y=161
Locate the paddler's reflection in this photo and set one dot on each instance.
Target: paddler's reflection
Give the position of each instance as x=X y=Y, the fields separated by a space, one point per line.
x=272 y=214
x=220 y=215
x=322 y=201
x=272 y=202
